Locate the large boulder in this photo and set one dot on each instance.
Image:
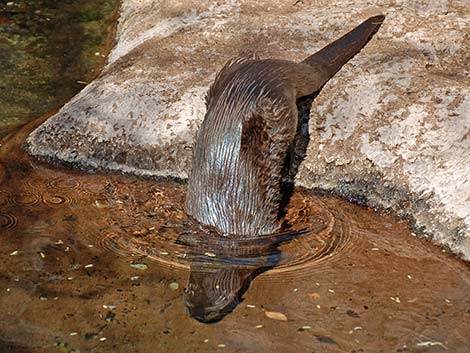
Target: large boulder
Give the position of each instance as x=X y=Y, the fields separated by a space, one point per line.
x=390 y=130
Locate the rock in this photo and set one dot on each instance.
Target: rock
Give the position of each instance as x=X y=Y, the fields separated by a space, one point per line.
x=390 y=130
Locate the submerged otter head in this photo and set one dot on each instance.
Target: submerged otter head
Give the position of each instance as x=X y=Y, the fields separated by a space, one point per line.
x=211 y=293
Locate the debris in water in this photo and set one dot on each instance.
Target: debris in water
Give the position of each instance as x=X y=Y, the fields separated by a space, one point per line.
x=65 y=347
x=110 y=316
x=258 y=326
x=43 y=256
x=14 y=253
x=396 y=300
x=138 y=266
x=251 y=306
x=275 y=315
x=325 y=339
x=89 y=266
x=409 y=276
x=206 y=340
x=431 y=344
x=352 y=313
x=109 y=306
x=73 y=333
x=221 y=345
x=331 y=290
x=174 y=285
x=210 y=254
x=135 y=278
x=314 y=295
x=304 y=327
x=101 y=203
x=102 y=339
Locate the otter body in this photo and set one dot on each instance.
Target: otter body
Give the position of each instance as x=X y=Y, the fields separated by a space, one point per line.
x=251 y=121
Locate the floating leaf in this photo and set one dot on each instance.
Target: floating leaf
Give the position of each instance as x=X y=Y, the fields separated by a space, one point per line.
x=139 y=266
x=275 y=315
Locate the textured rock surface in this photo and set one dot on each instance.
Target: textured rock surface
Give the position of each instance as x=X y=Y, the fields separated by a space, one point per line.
x=390 y=130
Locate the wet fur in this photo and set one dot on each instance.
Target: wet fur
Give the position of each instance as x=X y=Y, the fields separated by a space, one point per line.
x=250 y=123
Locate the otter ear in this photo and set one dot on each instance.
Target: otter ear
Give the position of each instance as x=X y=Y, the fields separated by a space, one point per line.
x=230 y=66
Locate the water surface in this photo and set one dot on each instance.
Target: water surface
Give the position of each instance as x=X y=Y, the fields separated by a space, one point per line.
x=95 y=263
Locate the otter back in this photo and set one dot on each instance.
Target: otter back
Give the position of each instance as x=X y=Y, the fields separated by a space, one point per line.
x=251 y=120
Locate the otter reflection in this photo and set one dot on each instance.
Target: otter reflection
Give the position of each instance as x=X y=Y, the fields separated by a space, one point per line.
x=221 y=271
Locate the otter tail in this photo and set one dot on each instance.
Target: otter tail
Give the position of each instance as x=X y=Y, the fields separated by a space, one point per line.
x=335 y=55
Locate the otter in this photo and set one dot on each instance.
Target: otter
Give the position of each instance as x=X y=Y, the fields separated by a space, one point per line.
x=251 y=120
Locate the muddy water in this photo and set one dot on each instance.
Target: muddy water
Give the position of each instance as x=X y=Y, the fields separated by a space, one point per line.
x=99 y=263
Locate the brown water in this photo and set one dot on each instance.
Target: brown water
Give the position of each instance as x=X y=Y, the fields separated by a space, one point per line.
x=99 y=263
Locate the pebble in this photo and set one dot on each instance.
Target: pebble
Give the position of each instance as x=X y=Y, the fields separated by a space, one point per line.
x=174 y=285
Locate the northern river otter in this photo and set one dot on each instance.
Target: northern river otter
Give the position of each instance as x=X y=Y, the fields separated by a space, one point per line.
x=250 y=122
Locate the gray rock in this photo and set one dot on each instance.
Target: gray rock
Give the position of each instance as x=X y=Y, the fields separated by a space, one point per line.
x=390 y=130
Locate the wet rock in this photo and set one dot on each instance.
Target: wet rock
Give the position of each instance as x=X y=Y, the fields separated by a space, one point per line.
x=390 y=130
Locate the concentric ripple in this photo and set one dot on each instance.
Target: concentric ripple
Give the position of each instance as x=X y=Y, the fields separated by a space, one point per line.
x=56 y=200
x=64 y=184
x=316 y=235
x=7 y=221
x=26 y=199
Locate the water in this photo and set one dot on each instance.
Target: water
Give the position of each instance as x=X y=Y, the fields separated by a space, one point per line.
x=49 y=49
x=109 y=263
x=100 y=263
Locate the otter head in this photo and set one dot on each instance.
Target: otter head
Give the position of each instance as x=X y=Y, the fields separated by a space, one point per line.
x=212 y=293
